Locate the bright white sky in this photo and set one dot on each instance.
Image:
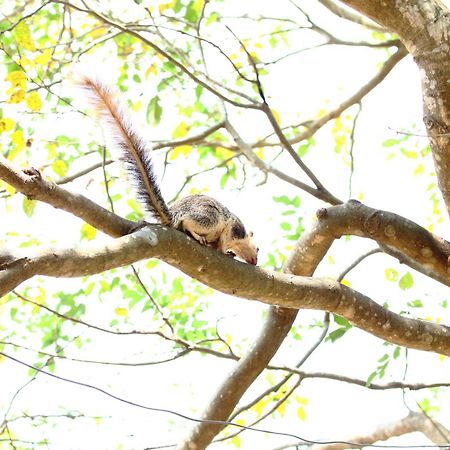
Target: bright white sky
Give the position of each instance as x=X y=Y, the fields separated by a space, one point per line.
x=314 y=80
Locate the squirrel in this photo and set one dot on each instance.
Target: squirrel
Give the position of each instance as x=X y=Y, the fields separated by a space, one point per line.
x=200 y=216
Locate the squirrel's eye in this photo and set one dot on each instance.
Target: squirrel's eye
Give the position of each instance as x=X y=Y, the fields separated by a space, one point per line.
x=230 y=253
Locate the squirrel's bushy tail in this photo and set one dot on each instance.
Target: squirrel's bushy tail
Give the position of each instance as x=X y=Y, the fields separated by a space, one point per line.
x=133 y=149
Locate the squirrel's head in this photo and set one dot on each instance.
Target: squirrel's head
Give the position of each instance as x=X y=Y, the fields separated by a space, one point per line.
x=242 y=248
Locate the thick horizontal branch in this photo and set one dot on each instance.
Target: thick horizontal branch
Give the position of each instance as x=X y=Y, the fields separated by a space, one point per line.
x=405 y=239
x=232 y=277
x=32 y=185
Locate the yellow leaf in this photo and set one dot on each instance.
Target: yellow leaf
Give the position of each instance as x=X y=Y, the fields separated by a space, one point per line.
x=301 y=414
x=180 y=150
x=123 y=312
x=6 y=124
x=236 y=441
x=180 y=130
x=23 y=36
x=346 y=282
x=259 y=152
x=88 y=231
x=224 y=152
x=96 y=32
x=51 y=150
x=198 y=5
x=419 y=169
x=168 y=5
x=60 y=167
x=276 y=115
x=254 y=55
x=43 y=58
x=18 y=139
x=9 y=189
x=136 y=106
x=34 y=102
x=259 y=407
x=25 y=62
x=17 y=96
x=152 y=69
x=301 y=400
x=442 y=358
x=281 y=409
x=17 y=78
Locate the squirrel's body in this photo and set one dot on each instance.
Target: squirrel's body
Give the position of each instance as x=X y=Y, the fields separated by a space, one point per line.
x=200 y=216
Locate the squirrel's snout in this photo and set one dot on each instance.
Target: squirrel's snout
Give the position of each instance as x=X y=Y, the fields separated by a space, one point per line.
x=253 y=261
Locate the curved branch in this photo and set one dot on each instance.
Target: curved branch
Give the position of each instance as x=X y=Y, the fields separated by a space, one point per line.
x=411 y=423
x=231 y=277
x=276 y=326
x=394 y=233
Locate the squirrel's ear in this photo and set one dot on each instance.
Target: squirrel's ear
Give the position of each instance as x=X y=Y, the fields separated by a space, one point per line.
x=250 y=233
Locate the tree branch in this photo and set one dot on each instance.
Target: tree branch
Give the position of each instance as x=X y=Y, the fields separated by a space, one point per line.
x=411 y=423
x=350 y=15
x=231 y=277
x=315 y=125
x=33 y=186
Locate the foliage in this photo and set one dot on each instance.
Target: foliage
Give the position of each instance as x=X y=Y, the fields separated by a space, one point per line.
x=182 y=67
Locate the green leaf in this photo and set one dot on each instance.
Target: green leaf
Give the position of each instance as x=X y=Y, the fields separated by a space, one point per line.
x=285 y=200
x=409 y=153
x=28 y=206
x=416 y=304
x=192 y=12
x=223 y=179
x=154 y=111
x=391 y=275
x=302 y=150
x=282 y=199
x=390 y=142
x=370 y=378
x=337 y=334
x=341 y=321
x=406 y=281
